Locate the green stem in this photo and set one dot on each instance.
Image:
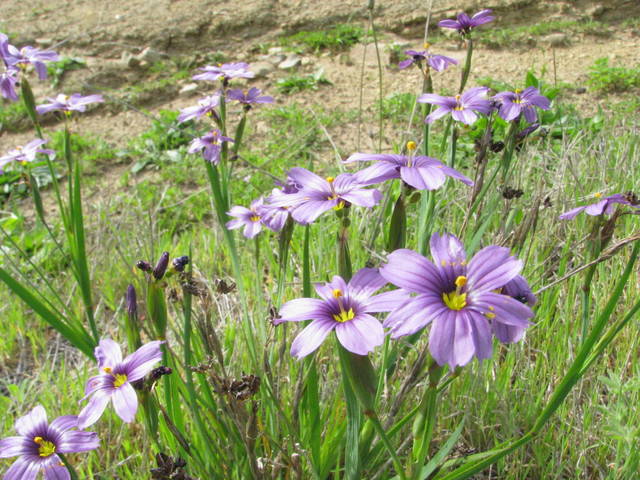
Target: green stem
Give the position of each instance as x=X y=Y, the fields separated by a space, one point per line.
x=467 y=65
x=373 y=418
x=72 y=472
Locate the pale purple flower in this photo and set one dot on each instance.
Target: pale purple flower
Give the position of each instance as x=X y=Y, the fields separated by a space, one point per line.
x=274 y=216
x=604 y=205
x=210 y=145
x=225 y=71
x=249 y=218
x=521 y=102
x=463 y=108
x=457 y=298
x=39 y=443
x=8 y=82
x=113 y=383
x=206 y=106
x=68 y=103
x=20 y=58
x=438 y=62
x=464 y=24
x=317 y=195
x=26 y=153
x=345 y=308
x=418 y=171
x=249 y=98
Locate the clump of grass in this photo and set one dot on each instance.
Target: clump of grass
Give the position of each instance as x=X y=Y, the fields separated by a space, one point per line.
x=298 y=83
x=337 y=38
x=398 y=107
x=606 y=78
x=13 y=117
x=57 y=70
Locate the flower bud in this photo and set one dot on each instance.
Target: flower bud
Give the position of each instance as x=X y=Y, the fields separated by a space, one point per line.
x=144 y=266
x=180 y=262
x=132 y=306
x=161 y=266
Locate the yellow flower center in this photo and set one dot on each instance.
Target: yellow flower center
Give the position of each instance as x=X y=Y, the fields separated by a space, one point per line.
x=337 y=293
x=344 y=316
x=597 y=195
x=46 y=448
x=120 y=379
x=255 y=218
x=458 y=106
x=456 y=300
x=339 y=206
x=518 y=91
x=330 y=179
x=426 y=45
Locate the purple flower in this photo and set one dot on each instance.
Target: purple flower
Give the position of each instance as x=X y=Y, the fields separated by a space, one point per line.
x=604 y=205
x=464 y=24
x=68 y=103
x=275 y=216
x=114 y=381
x=345 y=308
x=249 y=98
x=519 y=289
x=8 y=81
x=463 y=107
x=13 y=57
x=206 y=106
x=249 y=218
x=456 y=298
x=26 y=153
x=317 y=195
x=437 y=62
x=514 y=104
x=210 y=145
x=226 y=72
x=39 y=443
x=422 y=173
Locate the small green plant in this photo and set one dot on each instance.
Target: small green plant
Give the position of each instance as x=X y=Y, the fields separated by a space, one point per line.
x=58 y=69
x=610 y=79
x=13 y=117
x=398 y=107
x=337 y=38
x=298 y=83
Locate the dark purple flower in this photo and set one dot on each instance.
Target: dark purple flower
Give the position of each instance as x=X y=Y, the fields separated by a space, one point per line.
x=514 y=104
x=8 y=81
x=210 y=145
x=39 y=443
x=206 y=106
x=464 y=24
x=13 y=57
x=463 y=107
x=68 y=103
x=604 y=205
x=225 y=71
x=457 y=298
x=422 y=173
x=113 y=384
x=317 y=194
x=525 y=132
x=249 y=218
x=437 y=62
x=249 y=98
x=345 y=308
x=26 y=153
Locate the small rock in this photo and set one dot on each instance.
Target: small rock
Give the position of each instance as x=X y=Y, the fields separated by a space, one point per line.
x=262 y=69
x=276 y=59
x=581 y=90
x=305 y=61
x=118 y=17
x=596 y=11
x=44 y=42
x=557 y=40
x=276 y=50
x=150 y=55
x=292 y=61
x=188 y=89
x=129 y=61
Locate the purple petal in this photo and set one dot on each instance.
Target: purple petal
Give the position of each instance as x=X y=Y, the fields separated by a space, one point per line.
x=448 y=255
x=92 y=412
x=56 y=472
x=64 y=423
x=125 y=402
x=491 y=268
x=141 y=362
x=311 y=210
x=311 y=337
x=108 y=353
x=365 y=283
x=386 y=302
x=596 y=208
x=480 y=334
x=304 y=177
x=302 y=309
x=507 y=333
x=363 y=197
x=421 y=178
x=405 y=63
x=377 y=173
x=505 y=309
x=32 y=423
x=74 y=441
x=22 y=469
x=360 y=335
x=411 y=271
x=415 y=314
x=571 y=214
x=15 y=446
x=436 y=114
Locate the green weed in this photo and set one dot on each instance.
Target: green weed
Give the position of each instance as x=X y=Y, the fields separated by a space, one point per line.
x=606 y=78
x=338 y=38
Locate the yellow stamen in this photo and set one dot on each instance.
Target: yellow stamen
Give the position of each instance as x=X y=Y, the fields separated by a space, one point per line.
x=518 y=91
x=107 y=369
x=120 y=379
x=461 y=281
x=411 y=145
x=458 y=106
x=455 y=300
x=330 y=179
x=597 y=195
x=337 y=293
x=426 y=45
x=46 y=448
x=344 y=316
x=490 y=315
x=443 y=263
x=255 y=218
x=339 y=206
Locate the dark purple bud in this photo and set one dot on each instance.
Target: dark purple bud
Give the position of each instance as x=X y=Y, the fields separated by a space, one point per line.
x=528 y=131
x=144 y=266
x=132 y=306
x=161 y=266
x=156 y=373
x=180 y=262
x=496 y=147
